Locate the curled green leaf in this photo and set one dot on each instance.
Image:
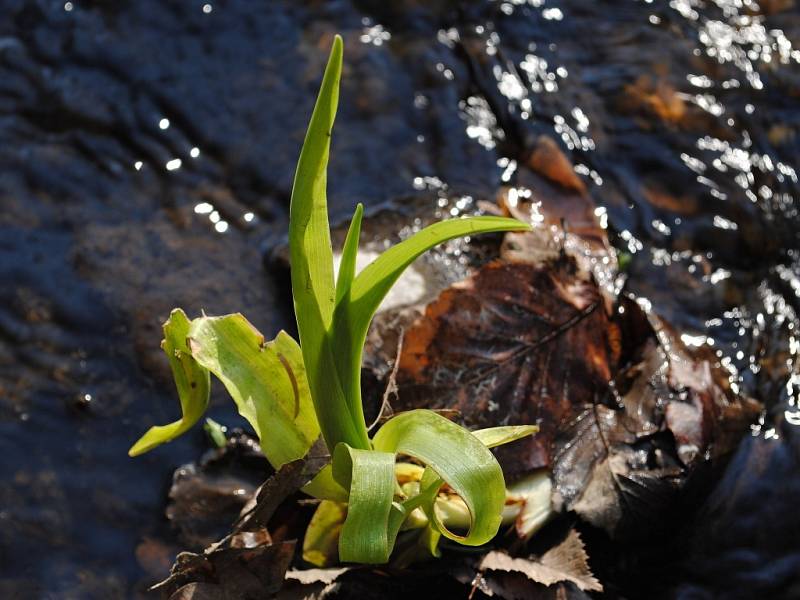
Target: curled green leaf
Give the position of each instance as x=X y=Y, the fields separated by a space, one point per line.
x=459 y=459
x=369 y=475
x=192 y=382
x=497 y=436
x=291 y=393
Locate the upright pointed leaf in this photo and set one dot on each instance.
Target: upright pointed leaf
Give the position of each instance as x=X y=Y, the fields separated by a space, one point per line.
x=267 y=381
x=192 y=382
x=312 y=265
x=339 y=422
x=347 y=268
x=309 y=233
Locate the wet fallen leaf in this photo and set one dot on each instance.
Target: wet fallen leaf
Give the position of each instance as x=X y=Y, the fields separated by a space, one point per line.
x=617 y=465
x=286 y=481
x=661 y=199
x=500 y=347
x=204 y=504
x=199 y=591
x=246 y=563
x=602 y=476
x=772 y=7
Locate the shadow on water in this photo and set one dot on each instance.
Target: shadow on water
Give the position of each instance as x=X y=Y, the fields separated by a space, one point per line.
x=147 y=156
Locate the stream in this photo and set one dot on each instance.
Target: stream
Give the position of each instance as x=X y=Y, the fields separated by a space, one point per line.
x=148 y=149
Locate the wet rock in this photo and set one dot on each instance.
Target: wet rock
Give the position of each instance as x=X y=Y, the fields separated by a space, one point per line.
x=155 y=557
x=742 y=542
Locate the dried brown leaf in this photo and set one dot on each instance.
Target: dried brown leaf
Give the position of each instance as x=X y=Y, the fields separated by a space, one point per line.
x=567 y=561
x=199 y=591
x=242 y=573
x=547 y=158
x=286 y=481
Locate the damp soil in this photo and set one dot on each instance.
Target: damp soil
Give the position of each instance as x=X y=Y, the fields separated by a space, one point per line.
x=146 y=162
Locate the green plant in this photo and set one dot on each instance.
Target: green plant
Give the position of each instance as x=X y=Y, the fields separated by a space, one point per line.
x=292 y=393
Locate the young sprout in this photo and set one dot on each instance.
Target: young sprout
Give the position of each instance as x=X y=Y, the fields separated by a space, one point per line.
x=292 y=393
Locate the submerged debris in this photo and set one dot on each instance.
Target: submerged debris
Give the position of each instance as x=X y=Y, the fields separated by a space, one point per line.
x=247 y=562
x=242 y=573
x=206 y=497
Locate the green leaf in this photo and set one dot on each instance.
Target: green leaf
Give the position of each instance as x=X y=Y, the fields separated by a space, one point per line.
x=347 y=268
x=351 y=319
x=325 y=487
x=497 y=436
x=309 y=233
x=191 y=380
x=312 y=266
x=459 y=459
x=321 y=542
x=267 y=381
x=369 y=475
x=216 y=432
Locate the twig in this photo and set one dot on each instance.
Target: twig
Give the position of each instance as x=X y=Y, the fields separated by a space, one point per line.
x=391 y=385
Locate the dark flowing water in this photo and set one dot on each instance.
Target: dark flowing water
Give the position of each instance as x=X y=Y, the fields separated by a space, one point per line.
x=146 y=162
